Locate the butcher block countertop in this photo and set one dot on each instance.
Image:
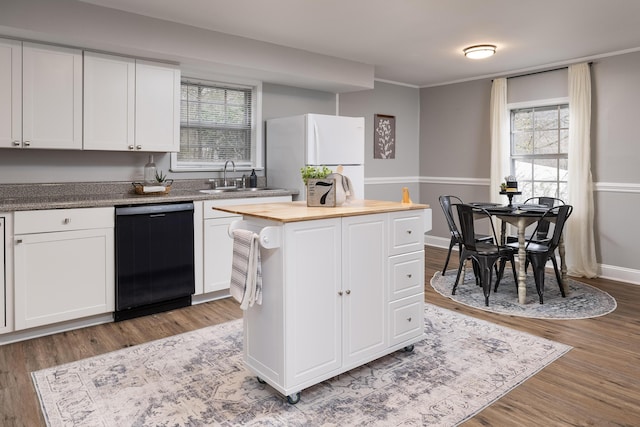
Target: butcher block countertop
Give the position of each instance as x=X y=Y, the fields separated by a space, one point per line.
x=299 y=211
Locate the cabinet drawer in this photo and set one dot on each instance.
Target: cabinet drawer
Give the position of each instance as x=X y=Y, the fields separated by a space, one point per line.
x=407 y=319
x=406 y=275
x=44 y=221
x=406 y=232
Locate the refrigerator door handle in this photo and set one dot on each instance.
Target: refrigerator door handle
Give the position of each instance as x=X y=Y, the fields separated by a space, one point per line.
x=316 y=144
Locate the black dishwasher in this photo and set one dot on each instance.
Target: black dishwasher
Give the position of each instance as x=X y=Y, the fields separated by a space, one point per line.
x=154 y=259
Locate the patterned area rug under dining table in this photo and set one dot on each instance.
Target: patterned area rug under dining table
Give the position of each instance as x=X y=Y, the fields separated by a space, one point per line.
x=581 y=302
x=198 y=379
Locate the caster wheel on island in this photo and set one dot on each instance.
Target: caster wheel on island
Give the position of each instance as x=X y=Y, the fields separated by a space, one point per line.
x=293 y=398
x=260 y=380
x=409 y=348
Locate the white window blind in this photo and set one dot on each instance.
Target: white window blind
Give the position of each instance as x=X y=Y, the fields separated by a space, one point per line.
x=215 y=125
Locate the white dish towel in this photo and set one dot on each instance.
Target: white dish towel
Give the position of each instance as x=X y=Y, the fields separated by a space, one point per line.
x=246 y=273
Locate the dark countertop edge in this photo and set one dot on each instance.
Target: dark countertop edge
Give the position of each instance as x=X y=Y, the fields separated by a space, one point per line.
x=107 y=200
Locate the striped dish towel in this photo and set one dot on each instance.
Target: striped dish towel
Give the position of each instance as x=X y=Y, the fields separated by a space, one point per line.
x=246 y=274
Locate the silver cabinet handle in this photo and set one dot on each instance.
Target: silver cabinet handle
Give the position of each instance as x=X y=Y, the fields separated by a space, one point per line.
x=27 y=143
x=16 y=143
x=138 y=147
x=340 y=293
x=348 y=291
x=409 y=319
x=409 y=275
x=66 y=221
x=18 y=241
x=131 y=147
x=408 y=231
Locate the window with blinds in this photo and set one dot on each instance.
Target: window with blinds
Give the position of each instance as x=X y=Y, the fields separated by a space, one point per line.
x=216 y=125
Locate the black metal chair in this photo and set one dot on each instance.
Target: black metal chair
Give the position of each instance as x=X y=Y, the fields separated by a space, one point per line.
x=483 y=254
x=539 y=253
x=456 y=237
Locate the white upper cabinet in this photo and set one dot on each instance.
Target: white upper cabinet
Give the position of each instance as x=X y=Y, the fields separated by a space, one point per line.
x=130 y=105
x=157 y=107
x=109 y=102
x=51 y=97
x=10 y=93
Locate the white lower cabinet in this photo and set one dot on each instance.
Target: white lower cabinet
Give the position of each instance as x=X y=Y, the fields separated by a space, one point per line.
x=217 y=245
x=335 y=296
x=63 y=265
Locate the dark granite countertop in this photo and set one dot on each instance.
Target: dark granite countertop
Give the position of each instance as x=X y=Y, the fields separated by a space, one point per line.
x=20 y=197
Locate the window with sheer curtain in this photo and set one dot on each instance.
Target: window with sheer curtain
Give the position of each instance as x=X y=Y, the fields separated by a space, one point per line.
x=217 y=123
x=539 y=150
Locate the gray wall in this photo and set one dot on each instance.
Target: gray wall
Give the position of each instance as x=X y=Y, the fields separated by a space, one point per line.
x=455 y=145
x=385 y=178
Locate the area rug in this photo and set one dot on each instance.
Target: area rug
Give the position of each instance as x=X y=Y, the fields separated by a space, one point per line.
x=582 y=302
x=198 y=379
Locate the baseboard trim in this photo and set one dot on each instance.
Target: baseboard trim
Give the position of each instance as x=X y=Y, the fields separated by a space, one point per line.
x=609 y=272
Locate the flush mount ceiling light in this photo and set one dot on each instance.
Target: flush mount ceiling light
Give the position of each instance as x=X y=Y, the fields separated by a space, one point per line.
x=479 y=51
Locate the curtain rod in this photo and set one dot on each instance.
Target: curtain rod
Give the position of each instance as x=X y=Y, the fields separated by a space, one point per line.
x=540 y=72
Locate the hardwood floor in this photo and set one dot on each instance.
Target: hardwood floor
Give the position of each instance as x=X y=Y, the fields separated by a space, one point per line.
x=597 y=383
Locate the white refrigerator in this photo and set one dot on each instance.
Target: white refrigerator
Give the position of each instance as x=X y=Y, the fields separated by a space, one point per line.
x=314 y=140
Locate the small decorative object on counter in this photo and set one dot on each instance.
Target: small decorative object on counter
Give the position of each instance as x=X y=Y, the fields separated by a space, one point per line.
x=321 y=192
x=253 y=179
x=159 y=184
x=150 y=171
x=512 y=184
x=405 y=195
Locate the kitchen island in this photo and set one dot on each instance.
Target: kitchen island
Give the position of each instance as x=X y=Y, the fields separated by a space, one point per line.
x=342 y=286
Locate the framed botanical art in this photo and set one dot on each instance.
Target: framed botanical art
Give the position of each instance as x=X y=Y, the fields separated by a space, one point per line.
x=384 y=137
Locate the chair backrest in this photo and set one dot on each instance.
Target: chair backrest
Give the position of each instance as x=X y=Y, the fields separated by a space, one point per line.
x=561 y=213
x=445 y=202
x=467 y=215
x=543 y=225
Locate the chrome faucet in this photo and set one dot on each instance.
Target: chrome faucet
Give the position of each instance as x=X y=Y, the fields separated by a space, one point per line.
x=224 y=172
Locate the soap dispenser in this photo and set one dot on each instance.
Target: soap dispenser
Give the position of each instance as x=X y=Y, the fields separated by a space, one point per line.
x=150 y=171
x=253 y=179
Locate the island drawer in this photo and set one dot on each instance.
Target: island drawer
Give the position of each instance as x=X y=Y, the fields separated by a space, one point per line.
x=406 y=232
x=406 y=319
x=406 y=275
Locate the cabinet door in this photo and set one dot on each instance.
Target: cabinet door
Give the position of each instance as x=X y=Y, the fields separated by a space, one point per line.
x=10 y=93
x=109 y=102
x=52 y=97
x=62 y=276
x=157 y=107
x=363 y=285
x=313 y=315
x=218 y=253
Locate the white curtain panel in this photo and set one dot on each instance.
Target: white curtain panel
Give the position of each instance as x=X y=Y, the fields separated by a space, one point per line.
x=499 y=116
x=579 y=237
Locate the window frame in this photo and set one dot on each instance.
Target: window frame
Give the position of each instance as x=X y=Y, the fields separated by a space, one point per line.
x=257 y=146
x=553 y=102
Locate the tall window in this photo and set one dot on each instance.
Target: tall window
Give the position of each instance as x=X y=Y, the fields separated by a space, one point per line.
x=539 y=150
x=217 y=123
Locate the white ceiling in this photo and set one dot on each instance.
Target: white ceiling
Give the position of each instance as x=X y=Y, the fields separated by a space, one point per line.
x=419 y=42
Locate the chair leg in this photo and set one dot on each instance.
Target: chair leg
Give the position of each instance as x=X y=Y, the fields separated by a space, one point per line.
x=455 y=283
x=446 y=262
x=486 y=269
x=499 y=274
x=538 y=262
x=558 y=275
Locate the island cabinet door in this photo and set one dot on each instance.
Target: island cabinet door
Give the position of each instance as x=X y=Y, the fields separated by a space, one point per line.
x=363 y=287
x=312 y=309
